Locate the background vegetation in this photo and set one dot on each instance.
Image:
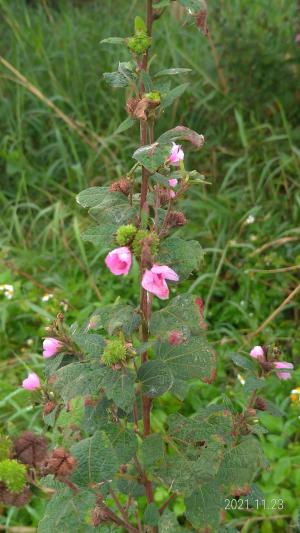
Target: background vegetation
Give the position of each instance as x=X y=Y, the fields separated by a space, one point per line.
x=244 y=97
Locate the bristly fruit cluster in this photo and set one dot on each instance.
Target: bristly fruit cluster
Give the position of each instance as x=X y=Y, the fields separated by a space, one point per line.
x=111 y=460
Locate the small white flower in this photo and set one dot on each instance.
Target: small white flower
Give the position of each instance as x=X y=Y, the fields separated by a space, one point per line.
x=253 y=237
x=7 y=290
x=47 y=297
x=29 y=342
x=250 y=219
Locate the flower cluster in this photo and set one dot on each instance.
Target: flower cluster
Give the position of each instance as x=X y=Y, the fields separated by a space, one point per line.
x=260 y=353
x=119 y=260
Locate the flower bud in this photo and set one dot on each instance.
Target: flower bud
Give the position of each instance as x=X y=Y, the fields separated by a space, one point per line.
x=139 y=43
x=125 y=234
x=114 y=352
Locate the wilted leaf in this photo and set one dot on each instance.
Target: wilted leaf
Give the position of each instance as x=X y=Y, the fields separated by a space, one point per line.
x=182 y=133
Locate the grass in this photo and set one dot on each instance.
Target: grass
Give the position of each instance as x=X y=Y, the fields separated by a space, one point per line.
x=244 y=98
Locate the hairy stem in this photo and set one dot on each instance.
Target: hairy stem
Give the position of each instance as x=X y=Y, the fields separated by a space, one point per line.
x=144 y=304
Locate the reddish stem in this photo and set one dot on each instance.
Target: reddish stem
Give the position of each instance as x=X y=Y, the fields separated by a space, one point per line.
x=144 y=304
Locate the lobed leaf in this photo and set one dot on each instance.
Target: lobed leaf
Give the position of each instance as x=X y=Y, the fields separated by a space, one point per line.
x=182 y=256
x=156 y=378
x=96 y=460
x=180 y=314
x=115 y=317
x=67 y=512
x=193 y=359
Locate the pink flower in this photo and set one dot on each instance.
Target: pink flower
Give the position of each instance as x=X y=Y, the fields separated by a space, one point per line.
x=176 y=154
x=283 y=364
x=154 y=280
x=50 y=347
x=297 y=38
x=258 y=353
x=173 y=182
x=32 y=382
x=119 y=261
x=172 y=194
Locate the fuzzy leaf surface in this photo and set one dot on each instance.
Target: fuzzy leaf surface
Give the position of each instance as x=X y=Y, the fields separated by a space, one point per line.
x=193 y=359
x=96 y=460
x=182 y=256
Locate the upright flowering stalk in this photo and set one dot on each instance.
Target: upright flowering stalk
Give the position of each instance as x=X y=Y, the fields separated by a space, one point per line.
x=105 y=377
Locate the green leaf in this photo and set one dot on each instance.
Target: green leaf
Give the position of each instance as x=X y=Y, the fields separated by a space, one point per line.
x=168 y=523
x=170 y=97
x=67 y=512
x=91 y=344
x=115 y=79
x=78 y=379
x=162 y=180
x=124 y=442
x=244 y=362
x=172 y=72
x=193 y=6
x=116 y=317
x=214 y=421
x=186 y=468
x=181 y=133
x=156 y=378
x=203 y=508
x=240 y=465
x=152 y=156
x=110 y=209
x=252 y=383
x=193 y=359
x=113 y=40
x=119 y=387
x=96 y=460
x=152 y=450
x=131 y=487
x=180 y=314
x=181 y=255
x=180 y=388
x=125 y=125
x=151 y=515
